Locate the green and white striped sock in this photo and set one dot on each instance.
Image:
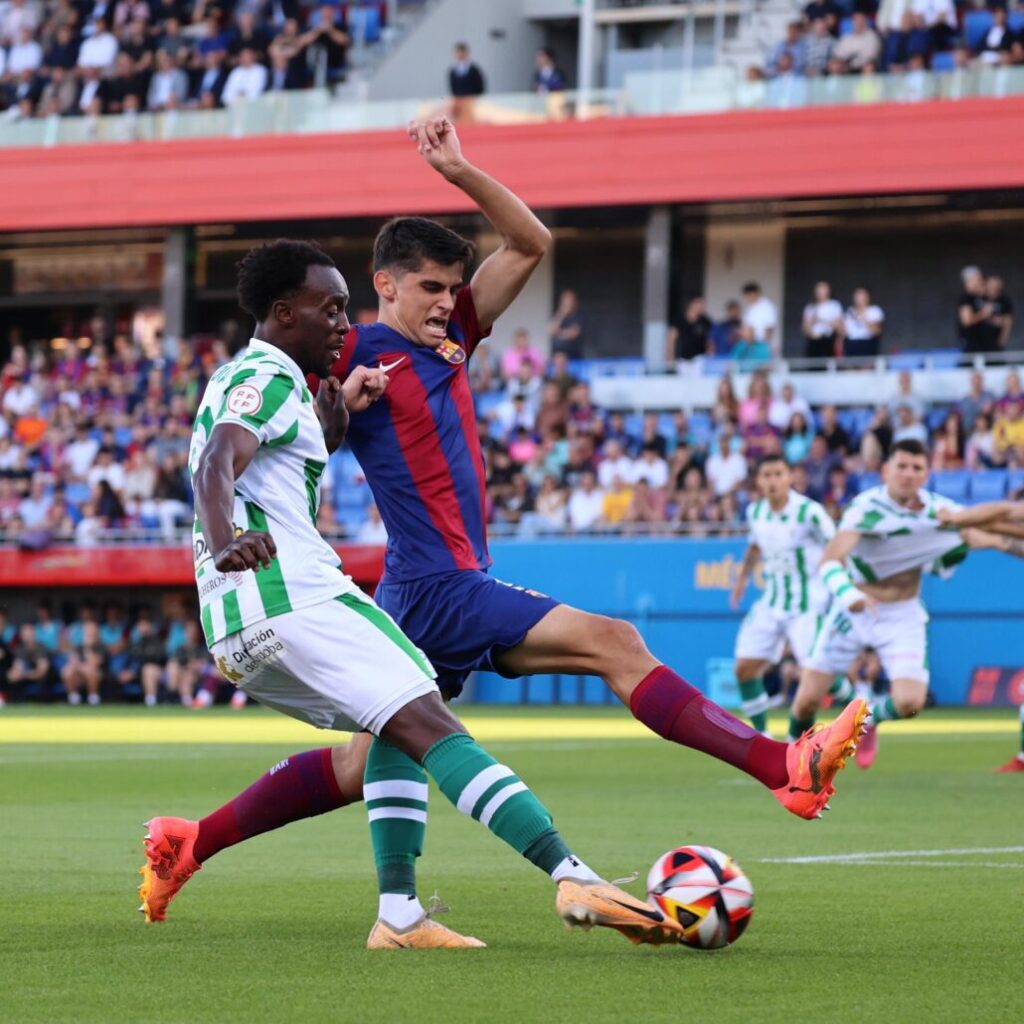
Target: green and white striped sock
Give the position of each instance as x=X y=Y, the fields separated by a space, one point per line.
x=883 y=710
x=494 y=795
x=395 y=791
x=754 y=702
x=842 y=691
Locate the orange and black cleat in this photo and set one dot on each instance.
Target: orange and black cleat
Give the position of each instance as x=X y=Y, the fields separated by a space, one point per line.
x=815 y=759
x=169 y=863
x=586 y=904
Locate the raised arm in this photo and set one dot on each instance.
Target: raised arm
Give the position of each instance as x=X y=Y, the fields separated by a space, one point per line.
x=979 y=540
x=987 y=514
x=524 y=240
x=230 y=449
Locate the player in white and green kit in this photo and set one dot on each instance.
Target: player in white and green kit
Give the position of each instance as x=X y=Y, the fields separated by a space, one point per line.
x=285 y=624
x=788 y=533
x=886 y=539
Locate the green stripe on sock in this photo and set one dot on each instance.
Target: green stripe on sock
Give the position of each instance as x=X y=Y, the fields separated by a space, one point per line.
x=396 y=801
x=547 y=851
x=492 y=790
x=387 y=626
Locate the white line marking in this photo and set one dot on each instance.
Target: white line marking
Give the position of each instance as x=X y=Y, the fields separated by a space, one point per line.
x=875 y=856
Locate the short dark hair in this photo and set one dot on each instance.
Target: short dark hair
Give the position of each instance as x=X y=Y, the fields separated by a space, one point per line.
x=274 y=271
x=910 y=447
x=770 y=457
x=406 y=243
x=750 y=286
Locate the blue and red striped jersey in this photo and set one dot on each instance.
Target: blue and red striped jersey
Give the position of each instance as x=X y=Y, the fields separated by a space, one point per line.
x=419 y=446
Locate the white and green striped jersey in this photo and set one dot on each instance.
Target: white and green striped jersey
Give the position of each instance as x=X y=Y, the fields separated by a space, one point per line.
x=264 y=391
x=895 y=539
x=791 y=542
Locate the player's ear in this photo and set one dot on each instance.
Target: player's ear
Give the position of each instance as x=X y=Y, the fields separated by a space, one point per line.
x=282 y=312
x=385 y=285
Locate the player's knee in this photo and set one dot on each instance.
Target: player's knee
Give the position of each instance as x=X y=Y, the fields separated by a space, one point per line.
x=908 y=707
x=349 y=764
x=615 y=643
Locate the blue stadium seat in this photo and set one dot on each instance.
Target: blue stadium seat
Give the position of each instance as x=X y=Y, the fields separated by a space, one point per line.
x=1015 y=481
x=715 y=366
x=666 y=424
x=944 y=358
x=487 y=402
x=1015 y=20
x=635 y=424
x=867 y=480
x=77 y=493
x=906 y=361
x=936 y=417
x=364 y=22
x=976 y=26
x=952 y=483
x=989 y=485
x=944 y=61
x=849 y=420
x=864 y=418
x=845 y=26
x=700 y=427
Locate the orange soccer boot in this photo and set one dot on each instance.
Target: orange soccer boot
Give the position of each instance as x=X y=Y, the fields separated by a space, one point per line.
x=585 y=904
x=814 y=760
x=169 y=863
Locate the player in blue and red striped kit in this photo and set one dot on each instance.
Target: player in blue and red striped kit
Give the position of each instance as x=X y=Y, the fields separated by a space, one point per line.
x=420 y=451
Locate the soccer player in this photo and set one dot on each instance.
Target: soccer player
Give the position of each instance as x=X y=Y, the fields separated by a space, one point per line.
x=283 y=621
x=420 y=452
x=872 y=567
x=788 y=533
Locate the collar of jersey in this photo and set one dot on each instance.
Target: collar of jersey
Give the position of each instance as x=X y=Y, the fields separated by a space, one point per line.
x=282 y=357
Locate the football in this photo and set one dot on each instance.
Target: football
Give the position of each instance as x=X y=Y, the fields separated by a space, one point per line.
x=706 y=891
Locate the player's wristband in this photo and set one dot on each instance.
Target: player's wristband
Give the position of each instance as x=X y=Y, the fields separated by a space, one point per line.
x=839 y=581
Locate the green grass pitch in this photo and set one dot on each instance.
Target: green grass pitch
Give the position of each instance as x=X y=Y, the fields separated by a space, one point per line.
x=274 y=930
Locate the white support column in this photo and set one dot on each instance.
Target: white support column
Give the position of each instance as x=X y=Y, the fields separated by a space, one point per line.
x=173 y=288
x=657 y=253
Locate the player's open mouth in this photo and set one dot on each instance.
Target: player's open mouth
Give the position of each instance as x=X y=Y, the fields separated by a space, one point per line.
x=437 y=327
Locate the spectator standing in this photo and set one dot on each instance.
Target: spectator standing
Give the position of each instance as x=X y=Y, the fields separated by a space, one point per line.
x=818 y=46
x=726 y=333
x=938 y=19
x=973 y=309
x=863 y=323
x=328 y=36
x=759 y=335
x=782 y=409
x=566 y=326
x=999 y=323
x=690 y=337
x=464 y=76
x=823 y=324
x=100 y=49
x=547 y=76
x=246 y=82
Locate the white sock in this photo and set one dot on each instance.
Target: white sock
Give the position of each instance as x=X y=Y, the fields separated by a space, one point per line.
x=399 y=910
x=574 y=868
x=75 y=698
x=864 y=691
x=93 y=698
x=149 y=701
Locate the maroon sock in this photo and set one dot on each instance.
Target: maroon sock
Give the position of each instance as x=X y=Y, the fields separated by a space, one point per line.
x=300 y=786
x=674 y=709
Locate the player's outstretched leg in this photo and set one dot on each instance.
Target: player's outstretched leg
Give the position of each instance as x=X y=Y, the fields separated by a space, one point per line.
x=492 y=793
x=1016 y=763
x=301 y=786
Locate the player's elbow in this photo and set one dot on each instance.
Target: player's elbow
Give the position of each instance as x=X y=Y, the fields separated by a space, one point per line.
x=536 y=244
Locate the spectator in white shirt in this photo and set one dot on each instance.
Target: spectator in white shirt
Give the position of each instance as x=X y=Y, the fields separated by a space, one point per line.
x=105 y=468
x=651 y=467
x=18 y=14
x=246 y=82
x=908 y=426
x=585 y=503
x=759 y=332
x=616 y=463
x=782 y=409
x=20 y=397
x=862 y=325
x=823 y=324
x=100 y=49
x=26 y=54
x=169 y=85
x=726 y=470
x=80 y=454
x=34 y=506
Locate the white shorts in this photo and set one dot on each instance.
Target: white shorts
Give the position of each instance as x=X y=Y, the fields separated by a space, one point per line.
x=342 y=664
x=764 y=632
x=898 y=631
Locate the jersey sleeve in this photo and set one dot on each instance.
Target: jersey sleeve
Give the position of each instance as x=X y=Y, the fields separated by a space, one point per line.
x=941 y=503
x=266 y=404
x=464 y=314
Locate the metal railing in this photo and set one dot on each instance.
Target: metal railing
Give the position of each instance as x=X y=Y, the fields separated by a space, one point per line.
x=644 y=93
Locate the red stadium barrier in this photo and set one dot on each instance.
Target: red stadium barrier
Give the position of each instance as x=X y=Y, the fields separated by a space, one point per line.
x=126 y=566
x=942 y=146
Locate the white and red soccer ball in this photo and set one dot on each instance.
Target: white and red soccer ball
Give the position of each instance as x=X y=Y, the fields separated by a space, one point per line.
x=706 y=891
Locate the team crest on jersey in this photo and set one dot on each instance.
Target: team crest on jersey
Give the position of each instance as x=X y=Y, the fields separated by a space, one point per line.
x=451 y=353
x=244 y=400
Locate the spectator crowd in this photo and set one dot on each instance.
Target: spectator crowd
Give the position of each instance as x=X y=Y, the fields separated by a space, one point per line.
x=92 y=57
x=865 y=37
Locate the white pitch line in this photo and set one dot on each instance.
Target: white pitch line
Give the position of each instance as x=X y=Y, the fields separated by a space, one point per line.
x=877 y=855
